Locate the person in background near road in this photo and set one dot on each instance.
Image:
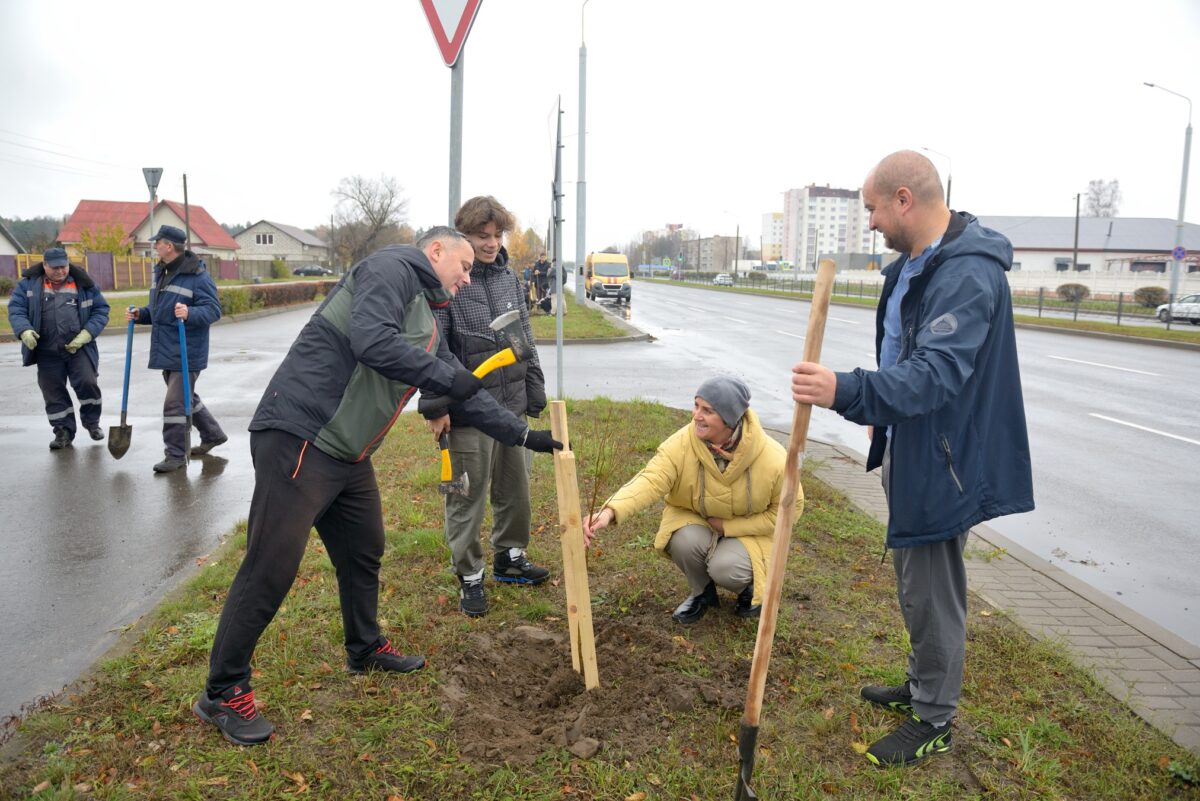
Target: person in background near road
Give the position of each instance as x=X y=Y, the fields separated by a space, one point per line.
x=328 y=407
x=182 y=290
x=57 y=311
x=721 y=476
x=541 y=269
x=496 y=469
x=948 y=428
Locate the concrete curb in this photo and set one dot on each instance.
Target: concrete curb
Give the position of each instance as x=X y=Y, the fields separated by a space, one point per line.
x=1154 y=671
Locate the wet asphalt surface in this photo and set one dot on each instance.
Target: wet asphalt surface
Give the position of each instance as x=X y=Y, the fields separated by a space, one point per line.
x=91 y=543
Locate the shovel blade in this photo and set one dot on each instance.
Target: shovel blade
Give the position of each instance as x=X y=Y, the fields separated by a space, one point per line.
x=118 y=440
x=747 y=741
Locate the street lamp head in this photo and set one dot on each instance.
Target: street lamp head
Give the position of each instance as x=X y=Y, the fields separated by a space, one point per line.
x=1147 y=83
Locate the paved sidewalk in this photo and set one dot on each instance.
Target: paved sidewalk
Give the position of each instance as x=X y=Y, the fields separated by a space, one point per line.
x=1140 y=663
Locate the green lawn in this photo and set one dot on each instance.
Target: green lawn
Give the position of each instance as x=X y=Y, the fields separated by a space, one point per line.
x=497 y=710
x=579 y=322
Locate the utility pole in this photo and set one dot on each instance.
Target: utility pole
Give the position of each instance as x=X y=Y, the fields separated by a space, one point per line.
x=581 y=180
x=152 y=176
x=187 y=215
x=558 y=276
x=1075 y=251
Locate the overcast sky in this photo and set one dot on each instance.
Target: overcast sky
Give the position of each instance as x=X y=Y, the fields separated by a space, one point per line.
x=700 y=113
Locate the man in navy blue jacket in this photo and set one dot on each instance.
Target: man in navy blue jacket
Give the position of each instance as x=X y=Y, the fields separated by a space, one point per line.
x=57 y=311
x=183 y=290
x=947 y=425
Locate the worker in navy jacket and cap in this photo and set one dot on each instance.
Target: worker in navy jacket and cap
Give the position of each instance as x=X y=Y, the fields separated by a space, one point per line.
x=57 y=311
x=182 y=290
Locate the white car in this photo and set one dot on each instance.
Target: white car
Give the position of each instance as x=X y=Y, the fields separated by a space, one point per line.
x=724 y=279
x=1186 y=308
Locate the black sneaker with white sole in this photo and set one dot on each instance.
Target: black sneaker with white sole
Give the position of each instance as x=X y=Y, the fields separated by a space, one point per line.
x=233 y=712
x=517 y=569
x=471 y=600
x=909 y=744
x=385 y=657
x=897 y=699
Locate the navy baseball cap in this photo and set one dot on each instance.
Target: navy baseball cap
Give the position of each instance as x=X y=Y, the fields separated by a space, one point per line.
x=171 y=234
x=55 y=257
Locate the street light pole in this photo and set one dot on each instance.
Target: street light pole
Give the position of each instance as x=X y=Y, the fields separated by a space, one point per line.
x=581 y=181
x=949 y=171
x=1187 y=152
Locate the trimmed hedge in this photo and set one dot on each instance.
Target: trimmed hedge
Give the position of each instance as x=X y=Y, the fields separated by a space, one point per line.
x=240 y=300
x=1072 y=292
x=1150 y=296
x=6 y=286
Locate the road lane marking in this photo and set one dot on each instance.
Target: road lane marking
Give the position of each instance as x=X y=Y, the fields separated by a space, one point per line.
x=1098 y=364
x=1143 y=428
x=735 y=320
x=694 y=308
x=788 y=334
x=844 y=320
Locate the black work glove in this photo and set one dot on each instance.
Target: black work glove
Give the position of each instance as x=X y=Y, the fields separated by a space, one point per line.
x=464 y=385
x=541 y=441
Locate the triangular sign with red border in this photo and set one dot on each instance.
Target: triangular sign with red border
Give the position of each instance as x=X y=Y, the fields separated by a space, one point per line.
x=451 y=21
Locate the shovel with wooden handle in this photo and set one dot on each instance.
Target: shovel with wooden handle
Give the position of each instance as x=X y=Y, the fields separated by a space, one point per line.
x=748 y=731
x=187 y=393
x=120 y=436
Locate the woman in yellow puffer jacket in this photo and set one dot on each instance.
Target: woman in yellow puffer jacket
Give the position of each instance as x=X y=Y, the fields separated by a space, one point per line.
x=721 y=476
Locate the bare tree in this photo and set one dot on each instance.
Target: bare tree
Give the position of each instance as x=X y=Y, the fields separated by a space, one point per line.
x=370 y=214
x=1103 y=198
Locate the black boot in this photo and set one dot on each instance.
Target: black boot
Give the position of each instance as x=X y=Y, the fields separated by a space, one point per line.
x=694 y=607
x=745 y=603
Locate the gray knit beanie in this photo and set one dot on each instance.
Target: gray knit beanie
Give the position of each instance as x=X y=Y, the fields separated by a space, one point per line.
x=729 y=396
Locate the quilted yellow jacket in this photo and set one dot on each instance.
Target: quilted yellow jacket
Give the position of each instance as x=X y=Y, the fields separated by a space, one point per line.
x=746 y=496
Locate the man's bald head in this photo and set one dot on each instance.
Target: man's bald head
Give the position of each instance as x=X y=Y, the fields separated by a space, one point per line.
x=907 y=168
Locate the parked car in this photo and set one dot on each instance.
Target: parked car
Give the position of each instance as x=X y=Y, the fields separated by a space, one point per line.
x=1186 y=308
x=724 y=279
x=312 y=269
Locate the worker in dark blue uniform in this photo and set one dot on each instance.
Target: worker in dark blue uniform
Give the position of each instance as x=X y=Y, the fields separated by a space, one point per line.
x=57 y=311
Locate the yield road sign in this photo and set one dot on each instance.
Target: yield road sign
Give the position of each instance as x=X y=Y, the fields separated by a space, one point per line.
x=451 y=21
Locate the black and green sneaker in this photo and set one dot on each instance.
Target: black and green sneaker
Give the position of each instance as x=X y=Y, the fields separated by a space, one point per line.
x=909 y=744
x=897 y=699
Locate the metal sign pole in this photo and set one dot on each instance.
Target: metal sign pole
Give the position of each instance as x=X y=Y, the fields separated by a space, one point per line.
x=456 y=111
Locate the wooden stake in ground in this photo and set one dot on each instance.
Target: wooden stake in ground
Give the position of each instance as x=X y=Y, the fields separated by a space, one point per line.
x=579 y=599
x=748 y=732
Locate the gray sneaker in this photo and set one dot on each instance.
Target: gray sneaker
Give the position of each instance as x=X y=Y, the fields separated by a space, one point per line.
x=233 y=712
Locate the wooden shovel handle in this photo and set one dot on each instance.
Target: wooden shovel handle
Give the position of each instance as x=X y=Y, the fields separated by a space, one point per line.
x=787 y=504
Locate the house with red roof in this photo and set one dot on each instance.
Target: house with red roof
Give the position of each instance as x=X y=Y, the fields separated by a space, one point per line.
x=207 y=237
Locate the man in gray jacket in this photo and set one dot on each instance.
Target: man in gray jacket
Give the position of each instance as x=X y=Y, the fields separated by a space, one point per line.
x=494 y=468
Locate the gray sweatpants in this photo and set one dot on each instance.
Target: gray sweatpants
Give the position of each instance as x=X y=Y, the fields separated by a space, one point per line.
x=931 y=586
x=703 y=557
x=496 y=471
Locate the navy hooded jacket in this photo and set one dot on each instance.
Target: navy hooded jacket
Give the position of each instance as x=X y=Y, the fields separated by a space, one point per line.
x=185 y=280
x=960 y=450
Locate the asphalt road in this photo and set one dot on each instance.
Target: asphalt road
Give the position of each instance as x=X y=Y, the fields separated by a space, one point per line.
x=92 y=543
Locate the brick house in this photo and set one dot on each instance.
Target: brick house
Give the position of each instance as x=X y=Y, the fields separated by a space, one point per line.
x=208 y=238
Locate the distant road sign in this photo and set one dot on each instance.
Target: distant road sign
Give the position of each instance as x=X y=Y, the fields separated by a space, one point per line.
x=666 y=261
x=1179 y=254
x=451 y=21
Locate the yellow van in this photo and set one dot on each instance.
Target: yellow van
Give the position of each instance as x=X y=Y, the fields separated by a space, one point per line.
x=606 y=275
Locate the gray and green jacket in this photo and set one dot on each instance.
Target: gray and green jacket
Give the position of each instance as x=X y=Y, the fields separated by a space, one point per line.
x=363 y=354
